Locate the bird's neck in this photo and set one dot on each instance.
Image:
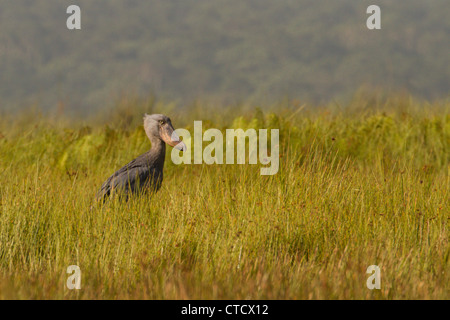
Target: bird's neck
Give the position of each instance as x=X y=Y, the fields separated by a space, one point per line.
x=158 y=152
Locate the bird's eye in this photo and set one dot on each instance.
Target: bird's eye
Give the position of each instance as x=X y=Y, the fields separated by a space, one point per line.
x=161 y=122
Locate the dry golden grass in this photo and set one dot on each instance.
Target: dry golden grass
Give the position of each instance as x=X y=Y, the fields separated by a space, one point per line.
x=355 y=188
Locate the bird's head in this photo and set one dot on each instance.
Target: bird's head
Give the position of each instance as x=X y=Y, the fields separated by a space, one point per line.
x=160 y=127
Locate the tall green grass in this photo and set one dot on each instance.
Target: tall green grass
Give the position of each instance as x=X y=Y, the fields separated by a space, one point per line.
x=359 y=185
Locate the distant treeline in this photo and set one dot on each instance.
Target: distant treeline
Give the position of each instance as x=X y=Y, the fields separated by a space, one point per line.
x=221 y=49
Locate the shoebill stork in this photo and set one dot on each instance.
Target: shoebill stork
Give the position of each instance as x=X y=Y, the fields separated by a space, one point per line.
x=145 y=173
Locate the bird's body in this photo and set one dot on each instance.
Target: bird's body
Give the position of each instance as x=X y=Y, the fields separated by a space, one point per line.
x=145 y=173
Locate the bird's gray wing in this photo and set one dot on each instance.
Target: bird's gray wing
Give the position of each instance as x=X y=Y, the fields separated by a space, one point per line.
x=125 y=179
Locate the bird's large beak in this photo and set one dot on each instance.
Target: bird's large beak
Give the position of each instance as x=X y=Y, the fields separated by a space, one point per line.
x=170 y=137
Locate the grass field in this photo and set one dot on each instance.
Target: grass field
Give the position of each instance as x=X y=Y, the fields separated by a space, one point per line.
x=362 y=184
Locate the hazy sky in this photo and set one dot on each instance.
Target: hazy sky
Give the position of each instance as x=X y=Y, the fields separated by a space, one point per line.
x=313 y=50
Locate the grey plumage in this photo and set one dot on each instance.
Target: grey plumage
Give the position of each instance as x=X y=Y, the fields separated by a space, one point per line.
x=145 y=173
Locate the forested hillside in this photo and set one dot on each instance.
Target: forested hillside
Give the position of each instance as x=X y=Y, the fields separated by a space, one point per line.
x=227 y=49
